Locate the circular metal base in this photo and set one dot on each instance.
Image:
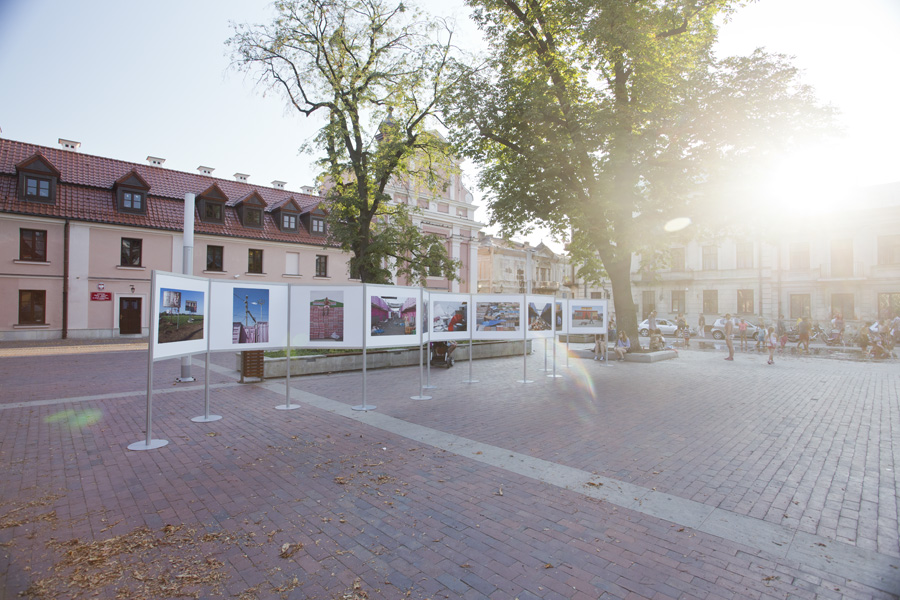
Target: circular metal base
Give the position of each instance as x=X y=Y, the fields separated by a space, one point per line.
x=287 y=406
x=524 y=381
x=470 y=381
x=143 y=445
x=420 y=397
x=364 y=407
x=554 y=375
x=205 y=419
x=429 y=387
x=184 y=379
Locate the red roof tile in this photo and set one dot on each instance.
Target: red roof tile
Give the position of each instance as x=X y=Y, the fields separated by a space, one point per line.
x=85 y=193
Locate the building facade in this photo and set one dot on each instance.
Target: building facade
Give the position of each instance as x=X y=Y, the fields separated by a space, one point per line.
x=80 y=235
x=846 y=262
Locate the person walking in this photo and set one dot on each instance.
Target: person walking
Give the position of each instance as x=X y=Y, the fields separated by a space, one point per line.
x=651 y=321
x=781 y=330
x=771 y=340
x=742 y=329
x=761 y=333
x=701 y=326
x=729 y=336
x=804 y=334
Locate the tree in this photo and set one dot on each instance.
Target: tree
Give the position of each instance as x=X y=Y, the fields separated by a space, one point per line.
x=603 y=119
x=375 y=73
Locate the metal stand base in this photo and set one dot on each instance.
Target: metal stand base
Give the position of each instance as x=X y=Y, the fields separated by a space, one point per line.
x=287 y=406
x=364 y=407
x=524 y=381
x=185 y=379
x=554 y=376
x=143 y=445
x=470 y=381
x=420 y=397
x=429 y=387
x=205 y=419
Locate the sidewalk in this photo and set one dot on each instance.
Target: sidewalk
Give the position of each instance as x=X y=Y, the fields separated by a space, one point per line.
x=688 y=478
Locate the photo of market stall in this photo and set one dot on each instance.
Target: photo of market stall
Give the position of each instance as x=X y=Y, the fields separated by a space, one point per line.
x=393 y=315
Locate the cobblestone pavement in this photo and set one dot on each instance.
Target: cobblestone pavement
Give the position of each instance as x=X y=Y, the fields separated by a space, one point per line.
x=688 y=478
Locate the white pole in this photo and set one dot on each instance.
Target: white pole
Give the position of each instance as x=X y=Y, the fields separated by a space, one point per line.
x=287 y=375
x=187 y=267
x=366 y=330
x=149 y=443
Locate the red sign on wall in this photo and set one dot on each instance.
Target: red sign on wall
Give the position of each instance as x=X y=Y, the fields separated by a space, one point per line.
x=103 y=296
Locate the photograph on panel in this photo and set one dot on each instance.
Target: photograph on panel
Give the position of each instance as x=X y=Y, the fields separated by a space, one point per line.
x=180 y=315
x=497 y=316
x=393 y=315
x=540 y=316
x=450 y=315
x=559 y=317
x=586 y=315
x=250 y=316
x=326 y=316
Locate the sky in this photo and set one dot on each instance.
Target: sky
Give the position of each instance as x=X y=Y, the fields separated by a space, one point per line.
x=130 y=79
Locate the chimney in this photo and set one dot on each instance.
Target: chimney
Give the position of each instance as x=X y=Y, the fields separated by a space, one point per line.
x=279 y=185
x=205 y=170
x=309 y=190
x=242 y=177
x=155 y=161
x=69 y=145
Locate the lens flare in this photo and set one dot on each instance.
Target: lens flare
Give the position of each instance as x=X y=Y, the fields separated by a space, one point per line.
x=677 y=224
x=582 y=379
x=75 y=419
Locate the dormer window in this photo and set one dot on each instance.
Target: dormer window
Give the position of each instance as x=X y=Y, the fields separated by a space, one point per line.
x=37 y=180
x=131 y=193
x=287 y=216
x=318 y=225
x=314 y=221
x=250 y=210
x=211 y=205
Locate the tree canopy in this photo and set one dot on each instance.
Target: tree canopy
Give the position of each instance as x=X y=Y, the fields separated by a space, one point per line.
x=375 y=71
x=603 y=119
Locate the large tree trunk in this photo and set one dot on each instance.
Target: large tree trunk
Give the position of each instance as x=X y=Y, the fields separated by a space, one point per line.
x=619 y=270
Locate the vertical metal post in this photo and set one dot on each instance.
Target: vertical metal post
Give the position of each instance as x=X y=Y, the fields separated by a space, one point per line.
x=422 y=385
x=287 y=374
x=187 y=267
x=366 y=329
x=149 y=443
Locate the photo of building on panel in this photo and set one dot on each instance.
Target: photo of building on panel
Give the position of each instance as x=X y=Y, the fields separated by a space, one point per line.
x=540 y=318
x=587 y=316
x=393 y=315
x=559 y=317
x=497 y=316
x=449 y=316
x=180 y=315
x=326 y=316
x=250 y=316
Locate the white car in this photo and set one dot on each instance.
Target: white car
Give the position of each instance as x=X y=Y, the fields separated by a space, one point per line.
x=718 y=329
x=665 y=326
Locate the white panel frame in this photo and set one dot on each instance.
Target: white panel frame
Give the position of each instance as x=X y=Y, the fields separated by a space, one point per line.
x=222 y=302
x=540 y=301
x=441 y=300
x=401 y=293
x=479 y=299
x=602 y=308
x=183 y=283
x=301 y=297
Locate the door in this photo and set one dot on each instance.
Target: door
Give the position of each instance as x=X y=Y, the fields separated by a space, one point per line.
x=129 y=316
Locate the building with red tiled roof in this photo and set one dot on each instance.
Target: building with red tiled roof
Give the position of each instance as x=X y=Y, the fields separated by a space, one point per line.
x=80 y=235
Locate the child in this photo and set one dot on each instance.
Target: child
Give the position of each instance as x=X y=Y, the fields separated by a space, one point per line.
x=686 y=334
x=771 y=341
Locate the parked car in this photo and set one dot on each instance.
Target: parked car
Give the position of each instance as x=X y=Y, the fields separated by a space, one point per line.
x=718 y=329
x=666 y=326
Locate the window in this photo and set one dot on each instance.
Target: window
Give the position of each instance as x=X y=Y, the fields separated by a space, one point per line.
x=131 y=252
x=37 y=188
x=255 y=261
x=799 y=305
x=648 y=303
x=889 y=250
x=212 y=212
x=33 y=245
x=888 y=305
x=710 y=258
x=745 y=302
x=843 y=304
x=842 y=258
x=321 y=266
x=292 y=263
x=744 y=255
x=252 y=217
x=318 y=225
x=288 y=222
x=133 y=201
x=434 y=270
x=443 y=207
x=678 y=302
x=676 y=259
x=32 y=307
x=799 y=256
x=711 y=302
x=214 y=258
